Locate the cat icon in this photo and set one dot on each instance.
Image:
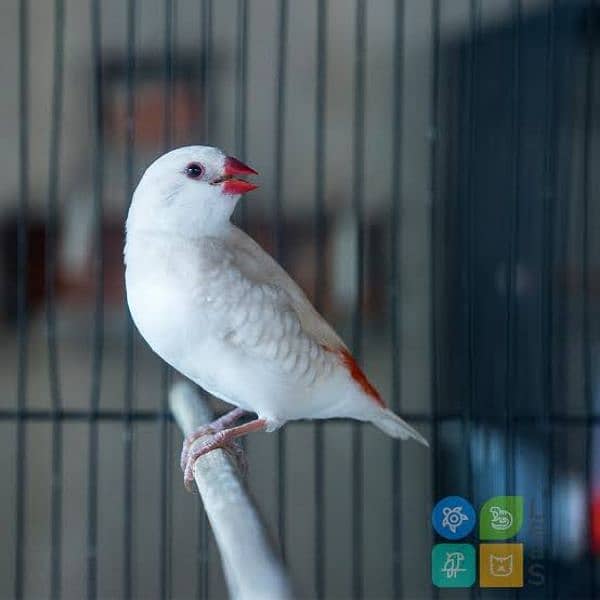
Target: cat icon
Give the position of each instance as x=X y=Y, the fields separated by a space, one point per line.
x=501 y=566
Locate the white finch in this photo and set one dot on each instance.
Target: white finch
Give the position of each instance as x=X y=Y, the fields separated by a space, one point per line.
x=216 y=307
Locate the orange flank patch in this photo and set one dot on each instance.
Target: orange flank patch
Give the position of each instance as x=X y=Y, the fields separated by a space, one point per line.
x=358 y=376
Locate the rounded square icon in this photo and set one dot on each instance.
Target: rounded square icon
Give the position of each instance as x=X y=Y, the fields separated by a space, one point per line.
x=501 y=565
x=453 y=517
x=453 y=565
x=501 y=518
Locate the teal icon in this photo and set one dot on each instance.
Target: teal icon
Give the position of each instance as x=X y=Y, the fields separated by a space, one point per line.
x=453 y=565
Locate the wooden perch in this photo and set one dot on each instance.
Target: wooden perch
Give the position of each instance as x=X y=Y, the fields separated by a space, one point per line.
x=251 y=566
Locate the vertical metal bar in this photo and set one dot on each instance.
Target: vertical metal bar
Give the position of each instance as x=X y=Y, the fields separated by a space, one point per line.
x=433 y=266
x=513 y=241
x=165 y=437
x=278 y=162
x=98 y=326
x=395 y=290
x=467 y=416
x=241 y=96
x=548 y=263
x=568 y=167
x=129 y=364
x=22 y=294
x=566 y=170
x=320 y=232
x=165 y=486
x=510 y=391
x=202 y=548
x=585 y=267
x=206 y=16
x=357 y=318
x=50 y=280
x=474 y=25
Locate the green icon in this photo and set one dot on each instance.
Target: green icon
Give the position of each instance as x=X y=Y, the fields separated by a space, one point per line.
x=453 y=565
x=501 y=518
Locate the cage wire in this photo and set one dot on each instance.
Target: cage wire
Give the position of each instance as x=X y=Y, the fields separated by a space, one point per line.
x=511 y=268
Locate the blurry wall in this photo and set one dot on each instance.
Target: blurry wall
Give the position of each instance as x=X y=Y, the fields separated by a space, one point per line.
x=300 y=102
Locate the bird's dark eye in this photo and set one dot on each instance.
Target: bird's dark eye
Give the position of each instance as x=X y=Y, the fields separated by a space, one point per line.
x=194 y=170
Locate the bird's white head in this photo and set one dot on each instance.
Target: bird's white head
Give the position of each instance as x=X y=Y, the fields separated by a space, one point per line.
x=189 y=191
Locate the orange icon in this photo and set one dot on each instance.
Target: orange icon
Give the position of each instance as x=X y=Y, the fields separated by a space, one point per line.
x=501 y=565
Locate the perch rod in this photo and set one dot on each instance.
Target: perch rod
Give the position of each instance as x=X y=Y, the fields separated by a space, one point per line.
x=251 y=566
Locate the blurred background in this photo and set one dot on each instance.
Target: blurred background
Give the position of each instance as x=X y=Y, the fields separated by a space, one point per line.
x=429 y=175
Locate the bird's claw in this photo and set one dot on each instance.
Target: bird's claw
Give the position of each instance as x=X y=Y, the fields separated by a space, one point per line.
x=232 y=447
x=190 y=439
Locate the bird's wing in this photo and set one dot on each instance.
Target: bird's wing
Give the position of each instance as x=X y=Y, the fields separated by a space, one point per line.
x=259 y=267
x=294 y=311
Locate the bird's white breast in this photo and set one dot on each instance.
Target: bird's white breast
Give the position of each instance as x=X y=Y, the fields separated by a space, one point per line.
x=166 y=293
x=238 y=338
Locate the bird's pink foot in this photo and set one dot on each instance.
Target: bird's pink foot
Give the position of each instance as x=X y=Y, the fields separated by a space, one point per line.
x=232 y=447
x=225 y=438
x=219 y=424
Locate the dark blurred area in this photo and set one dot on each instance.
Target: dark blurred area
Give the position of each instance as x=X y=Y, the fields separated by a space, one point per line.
x=428 y=175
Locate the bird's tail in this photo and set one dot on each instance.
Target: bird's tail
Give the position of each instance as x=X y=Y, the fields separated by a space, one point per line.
x=396 y=427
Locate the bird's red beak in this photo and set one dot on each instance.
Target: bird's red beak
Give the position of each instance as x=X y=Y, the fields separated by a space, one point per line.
x=234 y=186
